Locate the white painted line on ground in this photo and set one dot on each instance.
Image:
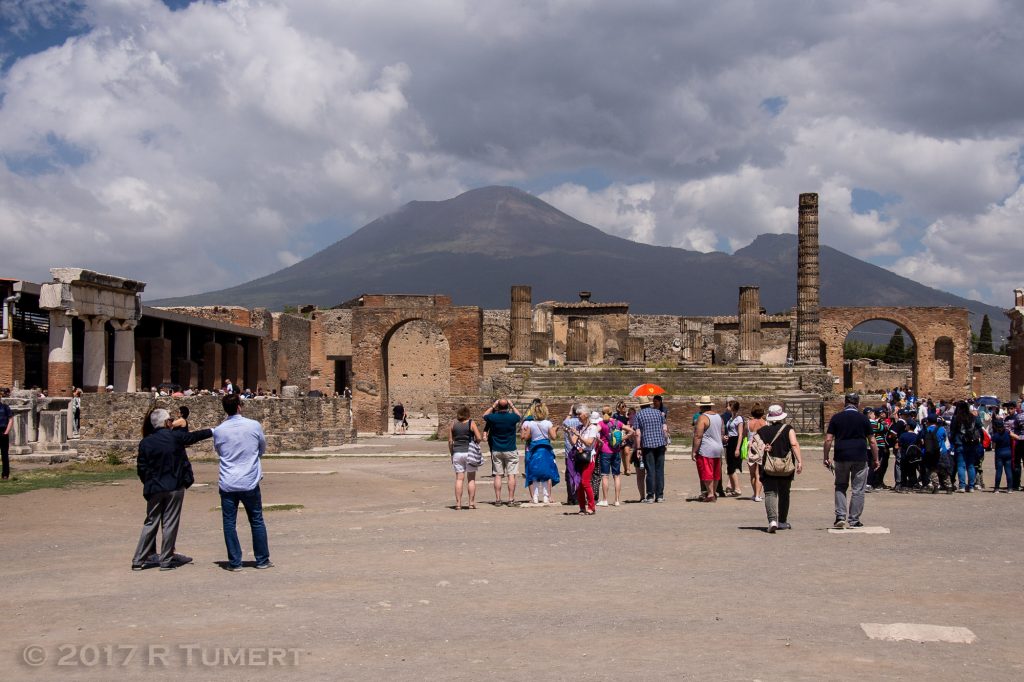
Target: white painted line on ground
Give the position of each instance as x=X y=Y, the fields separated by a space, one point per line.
x=866 y=530
x=303 y=473
x=918 y=632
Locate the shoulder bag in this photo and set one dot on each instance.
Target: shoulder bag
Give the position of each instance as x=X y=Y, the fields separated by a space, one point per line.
x=475 y=457
x=778 y=466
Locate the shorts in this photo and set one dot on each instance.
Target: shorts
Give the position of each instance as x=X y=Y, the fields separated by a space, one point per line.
x=460 y=465
x=733 y=456
x=611 y=464
x=504 y=463
x=709 y=468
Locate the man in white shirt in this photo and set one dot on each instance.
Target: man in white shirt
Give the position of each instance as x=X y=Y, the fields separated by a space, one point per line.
x=240 y=444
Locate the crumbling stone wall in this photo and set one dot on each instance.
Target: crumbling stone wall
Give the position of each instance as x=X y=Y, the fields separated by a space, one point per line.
x=112 y=422
x=662 y=335
x=232 y=314
x=418 y=362
x=330 y=337
x=497 y=332
x=992 y=375
x=873 y=376
x=293 y=350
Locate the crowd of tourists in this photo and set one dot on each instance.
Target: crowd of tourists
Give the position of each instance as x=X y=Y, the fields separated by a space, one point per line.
x=928 y=446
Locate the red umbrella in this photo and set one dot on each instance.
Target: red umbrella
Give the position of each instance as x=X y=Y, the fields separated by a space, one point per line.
x=647 y=389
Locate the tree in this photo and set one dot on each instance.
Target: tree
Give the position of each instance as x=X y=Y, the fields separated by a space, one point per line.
x=985 y=337
x=895 y=352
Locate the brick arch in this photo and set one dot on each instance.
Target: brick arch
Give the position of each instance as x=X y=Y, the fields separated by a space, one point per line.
x=924 y=326
x=372 y=328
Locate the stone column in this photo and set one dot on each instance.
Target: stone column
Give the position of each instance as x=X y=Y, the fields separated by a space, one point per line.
x=212 y=377
x=634 y=356
x=693 y=346
x=521 y=324
x=808 y=347
x=60 y=363
x=124 y=355
x=159 y=362
x=94 y=373
x=233 y=363
x=750 y=325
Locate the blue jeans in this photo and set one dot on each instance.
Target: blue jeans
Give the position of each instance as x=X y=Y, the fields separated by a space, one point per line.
x=966 y=459
x=1004 y=464
x=654 y=462
x=253 y=503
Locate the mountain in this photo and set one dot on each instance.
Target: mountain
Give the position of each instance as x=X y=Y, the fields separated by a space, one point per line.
x=474 y=246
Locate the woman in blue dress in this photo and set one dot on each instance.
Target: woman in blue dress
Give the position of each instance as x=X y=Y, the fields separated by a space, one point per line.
x=541 y=469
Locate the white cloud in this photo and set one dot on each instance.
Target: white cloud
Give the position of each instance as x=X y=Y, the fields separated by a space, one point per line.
x=214 y=136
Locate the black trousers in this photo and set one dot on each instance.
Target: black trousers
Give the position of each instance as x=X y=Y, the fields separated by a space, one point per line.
x=1018 y=456
x=877 y=478
x=5 y=453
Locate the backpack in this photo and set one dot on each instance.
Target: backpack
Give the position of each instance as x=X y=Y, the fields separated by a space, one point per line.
x=931 y=444
x=970 y=435
x=615 y=436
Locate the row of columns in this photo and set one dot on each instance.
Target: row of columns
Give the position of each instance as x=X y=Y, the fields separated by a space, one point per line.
x=95 y=376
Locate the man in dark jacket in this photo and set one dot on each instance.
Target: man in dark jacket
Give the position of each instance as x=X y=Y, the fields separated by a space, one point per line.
x=165 y=472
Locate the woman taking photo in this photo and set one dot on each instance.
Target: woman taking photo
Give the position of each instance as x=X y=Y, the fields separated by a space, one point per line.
x=461 y=433
x=584 y=442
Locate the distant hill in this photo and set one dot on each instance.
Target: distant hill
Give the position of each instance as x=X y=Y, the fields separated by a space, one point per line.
x=474 y=246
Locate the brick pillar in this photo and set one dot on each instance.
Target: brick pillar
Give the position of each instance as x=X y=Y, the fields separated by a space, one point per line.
x=94 y=373
x=188 y=373
x=212 y=378
x=60 y=362
x=693 y=345
x=255 y=370
x=634 y=356
x=159 y=362
x=808 y=346
x=750 y=325
x=233 y=363
x=124 y=356
x=520 y=352
x=12 y=364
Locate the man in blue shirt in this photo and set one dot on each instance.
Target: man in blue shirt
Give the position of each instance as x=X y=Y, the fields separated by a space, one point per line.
x=502 y=424
x=850 y=431
x=650 y=422
x=240 y=444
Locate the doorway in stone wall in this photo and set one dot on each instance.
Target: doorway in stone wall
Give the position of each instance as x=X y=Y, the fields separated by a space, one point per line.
x=878 y=355
x=417 y=373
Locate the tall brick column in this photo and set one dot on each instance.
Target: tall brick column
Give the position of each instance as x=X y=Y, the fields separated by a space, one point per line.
x=94 y=374
x=521 y=326
x=124 y=355
x=60 y=361
x=159 y=362
x=693 y=346
x=233 y=363
x=750 y=325
x=1015 y=344
x=212 y=376
x=808 y=345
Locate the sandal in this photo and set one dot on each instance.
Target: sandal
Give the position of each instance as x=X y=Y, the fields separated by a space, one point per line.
x=734 y=493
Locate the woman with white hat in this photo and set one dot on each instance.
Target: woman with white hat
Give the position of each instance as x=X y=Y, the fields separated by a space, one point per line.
x=780 y=442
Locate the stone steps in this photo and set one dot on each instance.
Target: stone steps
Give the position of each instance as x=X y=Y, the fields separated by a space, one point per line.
x=687 y=381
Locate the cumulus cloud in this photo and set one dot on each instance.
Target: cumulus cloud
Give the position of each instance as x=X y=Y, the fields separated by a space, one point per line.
x=222 y=137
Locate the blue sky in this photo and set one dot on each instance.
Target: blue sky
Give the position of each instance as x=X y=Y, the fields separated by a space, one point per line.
x=132 y=131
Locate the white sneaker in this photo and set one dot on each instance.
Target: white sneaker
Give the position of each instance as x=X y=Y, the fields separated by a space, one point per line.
x=773 y=526
x=602 y=503
x=617 y=502
x=536 y=500
x=758 y=498
x=547 y=500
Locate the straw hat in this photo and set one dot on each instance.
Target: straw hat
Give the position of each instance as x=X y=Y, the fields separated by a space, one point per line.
x=705 y=401
x=644 y=401
x=775 y=414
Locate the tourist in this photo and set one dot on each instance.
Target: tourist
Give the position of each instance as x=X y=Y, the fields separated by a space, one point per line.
x=462 y=434
x=165 y=471
x=626 y=451
x=754 y=424
x=734 y=431
x=614 y=433
x=650 y=423
x=182 y=421
x=398 y=413
x=541 y=468
x=502 y=424
x=935 y=456
x=909 y=457
x=1001 y=441
x=708 y=448
x=572 y=476
x=240 y=445
x=584 y=443
x=879 y=430
x=76 y=410
x=780 y=441
x=965 y=435
x=6 y=424
x=228 y=387
x=635 y=453
x=850 y=432
x=1015 y=425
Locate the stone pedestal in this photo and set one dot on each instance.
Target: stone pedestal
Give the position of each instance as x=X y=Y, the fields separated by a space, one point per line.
x=19 y=436
x=692 y=354
x=521 y=323
x=750 y=325
x=634 y=356
x=808 y=344
x=53 y=435
x=124 y=356
x=94 y=373
x=212 y=376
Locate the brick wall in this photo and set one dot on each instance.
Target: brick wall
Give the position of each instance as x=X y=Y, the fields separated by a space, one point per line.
x=293 y=364
x=418 y=367
x=662 y=337
x=12 y=363
x=112 y=422
x=992 y=375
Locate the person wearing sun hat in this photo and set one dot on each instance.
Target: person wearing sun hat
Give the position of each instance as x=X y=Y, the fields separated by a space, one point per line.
x=776 y=488
x=651 y=425
x=708 y=447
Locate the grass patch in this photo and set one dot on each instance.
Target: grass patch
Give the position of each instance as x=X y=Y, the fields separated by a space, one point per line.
x=78 y=473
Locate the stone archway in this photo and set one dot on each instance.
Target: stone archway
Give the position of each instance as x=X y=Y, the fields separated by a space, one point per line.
x=373 y=325
x=417 y=360
x=925 y=326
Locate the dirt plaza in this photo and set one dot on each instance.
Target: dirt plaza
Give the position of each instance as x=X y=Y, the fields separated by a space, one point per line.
x=377 y=577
